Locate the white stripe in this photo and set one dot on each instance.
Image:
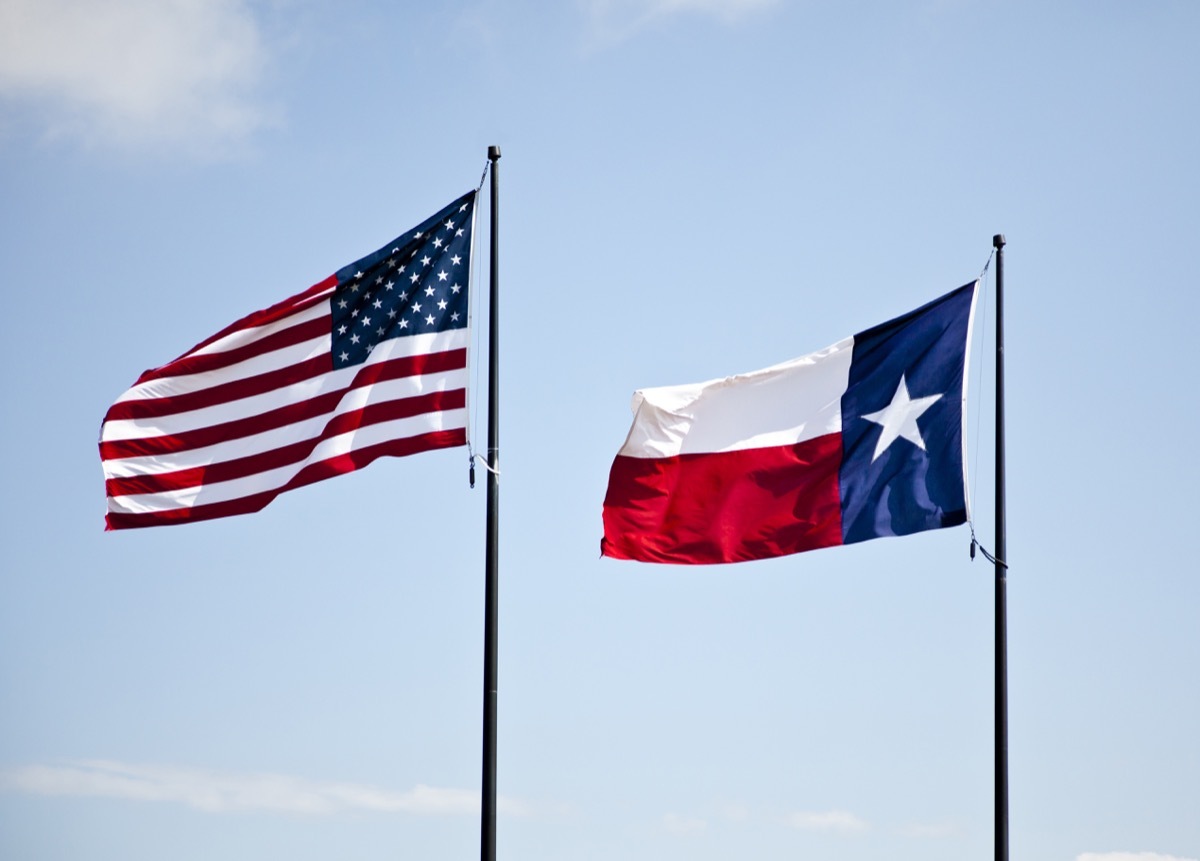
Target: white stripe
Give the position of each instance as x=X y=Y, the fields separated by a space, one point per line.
x=781 y=405
x=120 y=429
x=192 y=382
x=186 y=384
x=270 y=440
x=249 y=336
x=273 y=479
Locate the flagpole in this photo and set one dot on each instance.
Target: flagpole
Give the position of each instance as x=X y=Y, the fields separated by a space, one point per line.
x=487 y=844
x=1001 y=554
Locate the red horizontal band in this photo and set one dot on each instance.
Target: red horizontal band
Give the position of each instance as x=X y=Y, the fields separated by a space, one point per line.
x=726 y=506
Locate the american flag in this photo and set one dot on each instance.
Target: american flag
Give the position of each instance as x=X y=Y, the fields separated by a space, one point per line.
x=371 y=361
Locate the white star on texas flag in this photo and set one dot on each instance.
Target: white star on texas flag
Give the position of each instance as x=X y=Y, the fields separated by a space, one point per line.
x=899 y=419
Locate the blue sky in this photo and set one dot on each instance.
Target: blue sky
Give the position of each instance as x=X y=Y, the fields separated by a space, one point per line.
x=689 y=189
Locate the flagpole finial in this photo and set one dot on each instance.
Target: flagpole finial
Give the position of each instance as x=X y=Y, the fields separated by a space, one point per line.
x=493 y=153
x=998 y=240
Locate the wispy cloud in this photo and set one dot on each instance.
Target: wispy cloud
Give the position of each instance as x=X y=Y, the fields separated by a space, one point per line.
x=830 y=820
x=218 y=792
x=135 y=73
x=618 y=19
x=1129 y=856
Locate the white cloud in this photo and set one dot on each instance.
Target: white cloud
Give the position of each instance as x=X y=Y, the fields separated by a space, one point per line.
x=1129 y=856
x=677 y=824
x=216 y=792
x=617 y=19
x=831 y=820
x=135 y=73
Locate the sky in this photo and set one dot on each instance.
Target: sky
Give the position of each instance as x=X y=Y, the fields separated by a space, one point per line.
x=688 y=189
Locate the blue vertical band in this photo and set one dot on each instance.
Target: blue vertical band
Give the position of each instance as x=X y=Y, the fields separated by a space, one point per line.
x=889 y=484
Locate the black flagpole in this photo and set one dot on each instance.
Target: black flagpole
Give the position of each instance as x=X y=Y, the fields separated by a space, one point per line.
x=487 y=843
x=1001 y=572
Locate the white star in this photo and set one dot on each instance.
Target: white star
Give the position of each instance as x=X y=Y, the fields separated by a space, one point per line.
x=342 y=303
x=416 y=306
x=403 y=324
x=437 y=243
x=427 y=260
x=443 y=275
x=354 y=339
x=377 y=304
x=429 y=320
x=344 y=356
x=442 y=304
x=342 y=329
x=899 y=419
x=429 y=291
x=454 y=288
x=456 y=260
x=454 y=316
x=450 y=224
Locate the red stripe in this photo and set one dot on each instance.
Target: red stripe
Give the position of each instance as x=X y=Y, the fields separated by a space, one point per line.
x=726 y=506
x=297 y=452
x=306 y=299
x=234 y=390
x=246 y=387
x=189 y=364
x=310 y=474
x=394 y=369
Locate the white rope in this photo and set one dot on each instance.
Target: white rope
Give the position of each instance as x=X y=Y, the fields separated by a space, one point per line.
x=473 y=405
x=975 y=543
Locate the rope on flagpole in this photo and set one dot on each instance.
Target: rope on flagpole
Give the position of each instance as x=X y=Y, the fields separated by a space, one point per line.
x=975 y=543
x=473 y=419
x=486 y=465
x=986 y=555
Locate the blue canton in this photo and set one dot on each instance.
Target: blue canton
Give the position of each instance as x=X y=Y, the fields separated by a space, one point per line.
x=415 y=285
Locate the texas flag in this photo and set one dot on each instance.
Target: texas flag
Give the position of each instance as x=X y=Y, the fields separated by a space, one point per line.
x=860 y=440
